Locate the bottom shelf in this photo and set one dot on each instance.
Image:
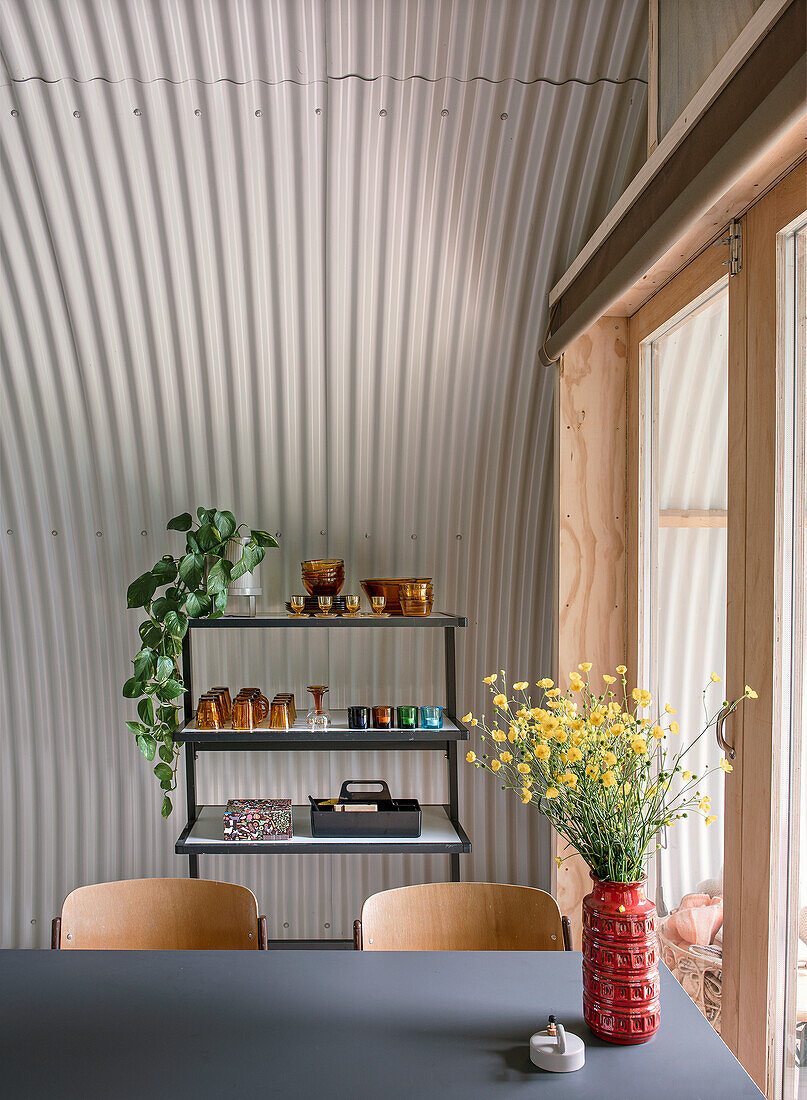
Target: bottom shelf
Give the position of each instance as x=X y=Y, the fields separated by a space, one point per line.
x=205 y=836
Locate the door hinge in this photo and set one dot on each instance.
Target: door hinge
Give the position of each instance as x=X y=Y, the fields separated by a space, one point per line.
x=735 y=242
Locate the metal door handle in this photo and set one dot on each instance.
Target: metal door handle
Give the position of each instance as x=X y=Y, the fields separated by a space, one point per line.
x=721 y=741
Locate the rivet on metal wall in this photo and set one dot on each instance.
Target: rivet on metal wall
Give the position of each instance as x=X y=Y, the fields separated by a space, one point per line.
x=258 y=113
x=503 y=116
x=459 y=538
x=14 y=112
x=367 y=534
x=323 y=532
x=198 y=113
x=9 y=531
x=285 y=924
x=444 y=113
x=382 y=113
x=144 y=532
x=413 y=537
x=76 y=114
x=326 y=925
x=99 y=534
x=138 y=112
x=278 y=535
x=54 y=532
x=317 y=111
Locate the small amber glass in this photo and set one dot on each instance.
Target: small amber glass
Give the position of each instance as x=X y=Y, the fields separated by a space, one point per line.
x=382 y=718
x=378 y=604
x=325 y=604
x=352 y=604
x=227 y=703
x=209 y=713
x=297 y=604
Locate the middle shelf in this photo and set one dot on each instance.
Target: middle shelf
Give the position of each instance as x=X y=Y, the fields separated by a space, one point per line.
x=338 y=736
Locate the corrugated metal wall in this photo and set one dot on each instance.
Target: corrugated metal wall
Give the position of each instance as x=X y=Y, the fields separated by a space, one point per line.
x=291 y=258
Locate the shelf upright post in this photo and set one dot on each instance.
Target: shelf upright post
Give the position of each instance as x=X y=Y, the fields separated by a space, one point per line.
x=190 y=748
x=451 y=748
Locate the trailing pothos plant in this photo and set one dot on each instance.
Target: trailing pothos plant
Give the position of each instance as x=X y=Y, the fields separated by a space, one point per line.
x=171 y=592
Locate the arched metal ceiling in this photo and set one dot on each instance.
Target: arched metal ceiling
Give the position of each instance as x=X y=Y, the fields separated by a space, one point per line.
x=291 y=258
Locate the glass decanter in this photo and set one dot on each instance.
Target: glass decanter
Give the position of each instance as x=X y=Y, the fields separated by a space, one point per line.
x=318 y=718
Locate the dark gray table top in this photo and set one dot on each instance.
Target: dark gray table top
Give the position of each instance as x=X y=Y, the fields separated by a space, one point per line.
x=334 y=1024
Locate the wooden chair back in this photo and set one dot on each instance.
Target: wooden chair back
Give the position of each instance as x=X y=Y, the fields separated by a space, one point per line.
x=160 y=914
x=462 y=916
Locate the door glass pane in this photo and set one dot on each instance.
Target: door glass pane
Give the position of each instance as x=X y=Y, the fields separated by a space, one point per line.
x=686 y=385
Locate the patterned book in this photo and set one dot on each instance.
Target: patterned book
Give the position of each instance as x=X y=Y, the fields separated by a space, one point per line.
x=258 y=819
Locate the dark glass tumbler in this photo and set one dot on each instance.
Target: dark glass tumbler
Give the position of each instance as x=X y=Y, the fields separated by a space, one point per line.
x=358 y=718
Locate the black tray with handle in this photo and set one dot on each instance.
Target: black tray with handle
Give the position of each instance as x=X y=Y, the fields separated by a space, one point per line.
x=395 y=817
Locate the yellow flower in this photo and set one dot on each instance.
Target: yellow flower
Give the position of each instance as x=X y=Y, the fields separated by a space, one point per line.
x=711 y=819
x=551 y=722
x=705 y=804
x=495 y=765
x=505 y=757
x=574 y=755
x=674 y=727
x=608 y=779
x=597 y=716
x=639 y=745
x=592 y=771
x=512 y=735
x=609 y=679
x=714 y=678
x=526 y=795
x=570 y=779
x=686 y=776
x=474 y=721
x=621 y=669
x=490 y=679
x=561 y=736
x=576 y=724
x=523 y=768
x=499 y=735
x=724 y=764
x=669 y=709
x=470 y=756
x=558 y=860
x=500 y=701
x=545 y=683
x=586 y=666
x=617 y=729
x=750 y=692
x=552 y=792
x=657 y=732
x=542 y=752
x=642 y=697
x=553 y=692
x=522 y=685
x=467 y=717
x=610 y=759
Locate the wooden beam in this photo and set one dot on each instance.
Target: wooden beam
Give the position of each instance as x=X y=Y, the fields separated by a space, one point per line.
x=692 y=517
x=652 y=76
x=590 y=528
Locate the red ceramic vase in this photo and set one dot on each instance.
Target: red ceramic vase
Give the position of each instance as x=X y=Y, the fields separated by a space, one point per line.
x=620 y=963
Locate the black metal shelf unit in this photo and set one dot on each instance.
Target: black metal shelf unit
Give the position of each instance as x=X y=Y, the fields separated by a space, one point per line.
x=442 y=832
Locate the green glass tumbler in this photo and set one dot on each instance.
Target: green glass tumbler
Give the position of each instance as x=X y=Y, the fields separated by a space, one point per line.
x=407 y=718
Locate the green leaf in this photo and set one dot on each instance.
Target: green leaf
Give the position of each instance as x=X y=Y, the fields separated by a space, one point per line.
x=225 y=524
x=147 y=745
x=250 y=558
x=166 y=754
x=219 y=577
x=191 y=569
x=140 y=591
x=263 y=538
x=161 y=606
x=166 y=807
x=166 y=784
x=180 y=523
x=208 y=537
x=145 y=709
x=196 y=604
x=150 y=634
x=164 y=570
x=168 y=716
x=174 y=644
x=143 y=663
x=176 y=623
x=133 y=689
x=205 y=514
x=171 y=689
x=136 y=728
x=165 y=669
x=163 y=772
x=192 y=543
x=168 y=741
x=221 y=602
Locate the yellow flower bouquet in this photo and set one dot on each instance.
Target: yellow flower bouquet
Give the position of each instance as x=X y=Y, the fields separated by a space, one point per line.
x=606 y=773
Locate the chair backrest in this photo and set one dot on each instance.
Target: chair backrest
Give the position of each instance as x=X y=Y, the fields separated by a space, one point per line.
x=462 y=916
x=160 y=914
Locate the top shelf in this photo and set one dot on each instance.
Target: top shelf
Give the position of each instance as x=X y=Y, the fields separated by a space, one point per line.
x=372 y=622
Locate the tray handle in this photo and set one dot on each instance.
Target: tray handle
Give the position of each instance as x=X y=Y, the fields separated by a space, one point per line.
x=347 y=795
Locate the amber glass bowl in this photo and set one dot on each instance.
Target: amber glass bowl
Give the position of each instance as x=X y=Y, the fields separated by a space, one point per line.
x=390 y=589
x=415 y=607
x=323 y=576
